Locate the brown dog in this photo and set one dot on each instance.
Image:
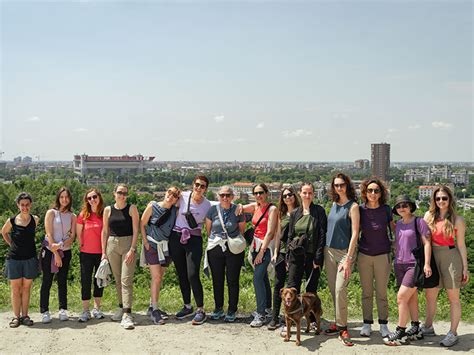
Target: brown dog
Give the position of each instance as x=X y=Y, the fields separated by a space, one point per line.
x=297 y=307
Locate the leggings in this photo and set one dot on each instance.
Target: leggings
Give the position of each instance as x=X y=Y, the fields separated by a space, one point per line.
x=187 y=260
x=89 y=265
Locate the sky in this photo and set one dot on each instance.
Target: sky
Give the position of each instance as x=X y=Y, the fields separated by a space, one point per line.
x=241 y=80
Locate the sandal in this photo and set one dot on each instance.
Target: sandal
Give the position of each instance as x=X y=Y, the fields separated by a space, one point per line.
x=15 y=322
x=26 y=320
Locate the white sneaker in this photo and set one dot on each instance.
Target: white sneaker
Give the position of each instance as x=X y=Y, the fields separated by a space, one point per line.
x=449 y=340
x=384 y=332
x=127 y=321
x=63 y=315
x=45 y=317
x=366 y=330
x=118 y=315
x=97 y=314
x=258 y=321
x=85 y=316
x=428 y=331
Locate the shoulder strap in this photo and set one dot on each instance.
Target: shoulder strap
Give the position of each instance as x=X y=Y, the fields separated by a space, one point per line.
x=189 y=201
x=263 y=214
x=418 y=236
x=221 y=220
x=387 y=210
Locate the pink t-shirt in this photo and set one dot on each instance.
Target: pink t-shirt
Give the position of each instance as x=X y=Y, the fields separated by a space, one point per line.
x=91 y=234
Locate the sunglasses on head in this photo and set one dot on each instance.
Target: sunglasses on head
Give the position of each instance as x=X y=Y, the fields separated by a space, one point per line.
x=289 y=195
x=339 y=186
x=402 y=205
x=93 y=197
x=373 y=191
x=200 y=186
x=442 y=198
x=258 y=193
x=225 y=195
x=123 y=193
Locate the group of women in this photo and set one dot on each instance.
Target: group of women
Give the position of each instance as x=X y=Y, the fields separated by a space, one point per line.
x=295 y=238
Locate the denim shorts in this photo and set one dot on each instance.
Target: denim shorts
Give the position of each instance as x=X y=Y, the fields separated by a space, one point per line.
x=17 y=269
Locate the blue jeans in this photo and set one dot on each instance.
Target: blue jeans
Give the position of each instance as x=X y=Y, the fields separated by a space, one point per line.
x=261 y=283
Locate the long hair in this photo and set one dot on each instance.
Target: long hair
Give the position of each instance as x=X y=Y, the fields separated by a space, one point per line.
x=57 y=205
x=86 y=207
x=282 y=207
x=383 y=189
x=350 y=189
x=434 y=212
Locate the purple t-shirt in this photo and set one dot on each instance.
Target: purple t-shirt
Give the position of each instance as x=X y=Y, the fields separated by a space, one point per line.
x=405 y=240
x=374 y=224
x=199 y=212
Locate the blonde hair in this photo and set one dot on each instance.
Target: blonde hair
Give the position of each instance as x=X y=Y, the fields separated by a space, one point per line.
x=434 y=212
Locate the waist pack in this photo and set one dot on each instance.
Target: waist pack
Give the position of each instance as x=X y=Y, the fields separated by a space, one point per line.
x=189 y=216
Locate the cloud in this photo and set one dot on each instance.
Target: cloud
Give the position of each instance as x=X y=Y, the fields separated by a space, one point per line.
x=392 y=130
x=261 y=125
x=296 y=133
x=219 y=119
x=414 y=126
x=201 y=141
x=441 y=125
x=80 y=130
x=33 y=119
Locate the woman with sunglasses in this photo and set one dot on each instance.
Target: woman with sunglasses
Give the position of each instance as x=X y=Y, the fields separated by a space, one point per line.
x=287 y=203
x=264 y=220
x=21 y=265
x=222 y=261
x=450 y=254
x=374 y=253
x=407 y=230
x=185 y=246
x=89 y=233
x=157 y=222
x=119 y=245
x=340 y=248
x=60 y=226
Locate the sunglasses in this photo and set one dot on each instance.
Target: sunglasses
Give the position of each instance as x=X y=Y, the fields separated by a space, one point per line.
x=123 y=193
x=340 y=186
x=225 y=195
x=173 y=194
x=402 y=205
x=373 y=191
x=442 y=198
x=288 y=195
x=258 y=193
x=93 y=197
x=200 y=186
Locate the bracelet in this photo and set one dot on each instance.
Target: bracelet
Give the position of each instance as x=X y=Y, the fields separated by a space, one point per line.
x=349 y=257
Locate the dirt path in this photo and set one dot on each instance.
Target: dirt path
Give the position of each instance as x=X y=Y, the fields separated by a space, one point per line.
x=181 y=337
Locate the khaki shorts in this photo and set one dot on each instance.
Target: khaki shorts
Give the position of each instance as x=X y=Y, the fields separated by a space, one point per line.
x=449 y=263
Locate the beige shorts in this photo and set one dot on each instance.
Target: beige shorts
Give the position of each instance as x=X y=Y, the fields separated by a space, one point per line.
x=449 y=263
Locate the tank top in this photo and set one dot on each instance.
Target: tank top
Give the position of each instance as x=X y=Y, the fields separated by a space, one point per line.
x=339 y=226
x=120 y=222
x=261 y=230
x=23 y=245
x=439 y=238
x=62 y=225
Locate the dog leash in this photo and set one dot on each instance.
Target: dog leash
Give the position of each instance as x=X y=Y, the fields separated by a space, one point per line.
x=309 y=279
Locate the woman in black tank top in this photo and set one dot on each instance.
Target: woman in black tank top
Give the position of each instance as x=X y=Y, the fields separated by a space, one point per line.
x=22 y=263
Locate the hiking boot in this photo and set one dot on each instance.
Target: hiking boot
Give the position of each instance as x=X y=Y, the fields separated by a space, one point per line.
x=274 y=323
x=345 y=338
x=414 y=333
x=449 y=340
x=200 y=317
x=398 y=337
x=85 y=316
x=428 y=331
x=332 y=330
x=384 y=332
x=97 y=314
x=185 y=312
x=366 y=330
x=156 y=317
x=258 y=321
x=230 y=317
x=45 y=317
x=127 y=321
x=63 y=315
x=217 y=314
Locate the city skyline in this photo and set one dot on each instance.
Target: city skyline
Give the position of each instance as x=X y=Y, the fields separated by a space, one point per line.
x=208 y=81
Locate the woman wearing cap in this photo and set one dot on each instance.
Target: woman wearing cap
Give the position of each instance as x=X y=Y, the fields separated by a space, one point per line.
x=287 y=203
x=449 y=251
x=373 y=261
x=21 y=262
x=223 y=227
x=156 y=224
x=340 y=248
x=186 y=247
x=407 y=230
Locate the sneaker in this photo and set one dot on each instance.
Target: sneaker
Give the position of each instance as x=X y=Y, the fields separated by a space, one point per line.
x=414 y=333
x=384 y=332
x=63 y=315
x=149 y=310
x=200 y=317
x=258 y=321
x=398 y=337
x=156 y=317
x=45 y=317
x=274 y=324
x=230 y=317
x=332 y=330
x=85 y=316
x=185 y=312
x=345 y=338
x=283 y=331
x=118 y=315
x=449 y=340
x=268 y=313
x=217 y=314
x=366 y=330
x=97 y=314
x=428 y=331
x=164 y=315
x=127 y=321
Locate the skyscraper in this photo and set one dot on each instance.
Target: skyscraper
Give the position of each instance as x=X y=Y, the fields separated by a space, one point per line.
x=380 y=161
